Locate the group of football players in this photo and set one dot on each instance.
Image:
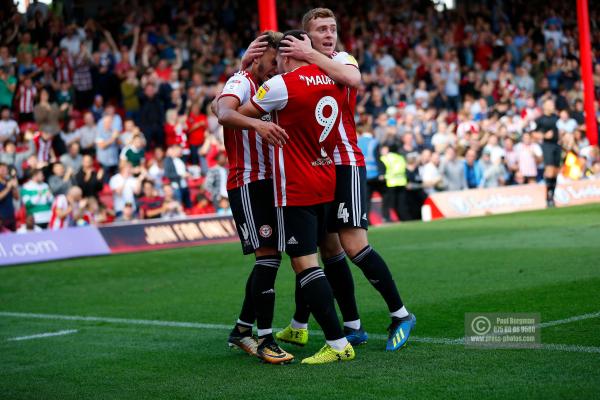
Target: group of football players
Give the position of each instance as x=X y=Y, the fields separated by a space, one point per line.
x=297 y=184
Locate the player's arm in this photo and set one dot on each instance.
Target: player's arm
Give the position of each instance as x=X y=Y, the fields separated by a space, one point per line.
x=344 y=74
x=229 y=116
x=255 y=50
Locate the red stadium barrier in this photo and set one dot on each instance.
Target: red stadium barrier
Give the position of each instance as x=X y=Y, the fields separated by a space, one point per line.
x=165 y=234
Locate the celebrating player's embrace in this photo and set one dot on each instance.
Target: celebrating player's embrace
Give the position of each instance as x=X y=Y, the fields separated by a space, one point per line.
x=297 y=184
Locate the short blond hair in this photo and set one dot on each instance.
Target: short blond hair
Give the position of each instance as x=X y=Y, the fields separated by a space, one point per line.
x=316 y=13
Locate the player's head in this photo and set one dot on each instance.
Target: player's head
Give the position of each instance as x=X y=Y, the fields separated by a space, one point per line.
x=265 y=66
x=284 y=63
x=321 y=25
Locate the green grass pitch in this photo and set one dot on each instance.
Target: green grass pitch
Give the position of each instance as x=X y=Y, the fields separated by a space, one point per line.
x=546 y=262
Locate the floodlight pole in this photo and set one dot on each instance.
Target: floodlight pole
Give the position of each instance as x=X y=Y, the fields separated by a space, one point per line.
x=267 y=14
x=585 y=59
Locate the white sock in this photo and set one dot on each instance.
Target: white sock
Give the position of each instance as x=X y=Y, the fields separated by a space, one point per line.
x=401 y=313
x=263 y=332
x=299 y=325
x=352 y=324
x=339 y=344
x=239 y=321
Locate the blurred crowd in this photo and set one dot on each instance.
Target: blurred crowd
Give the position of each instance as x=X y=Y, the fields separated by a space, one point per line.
x=107 y=118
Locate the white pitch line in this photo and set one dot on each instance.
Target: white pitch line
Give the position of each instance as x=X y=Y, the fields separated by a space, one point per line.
x=569 y=320
x=198 y=325
x=43 y=335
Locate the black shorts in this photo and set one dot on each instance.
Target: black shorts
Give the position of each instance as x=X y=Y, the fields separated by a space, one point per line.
x=552 y=154
x=253 y=210
x=349 y=208
x=304 y=227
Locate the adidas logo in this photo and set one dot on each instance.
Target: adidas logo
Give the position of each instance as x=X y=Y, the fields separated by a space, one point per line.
x=364 y=216
x=374 y=281
x=292 y=240
x=270 y=291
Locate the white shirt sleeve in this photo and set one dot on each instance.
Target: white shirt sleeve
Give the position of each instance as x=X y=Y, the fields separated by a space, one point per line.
x=272 y=95
x=345 y=58
x=237 y=86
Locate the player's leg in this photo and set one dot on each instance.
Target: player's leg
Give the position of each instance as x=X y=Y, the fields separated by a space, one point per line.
x=262 y=231
x=306 y=225
x=552 y=156
x=354 y=240
x=340 y=278
x=241 y=335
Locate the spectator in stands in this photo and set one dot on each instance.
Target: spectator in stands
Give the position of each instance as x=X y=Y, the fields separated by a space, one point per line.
x=197 y=124
x=15 y=160
x=202 y=205
x=87 y=134
x=375 y=168
x=72 y=159
x=175 y=130
x=176 y=173
x=125 y=187
x=29 y=226
x=129 y=93
x=88 y=179
x=452 y=170
x=127 y=214
x=395 y=179
x=46 y=114
x=67 y=209
x=70 y=135
x=493 y=172
x=152 y=116
x=529 y=155
x=107 y=149
x=37 y=198
x=134 y=153
x=171 y=206
x=26 y=100
x=430 y=172
x=472 y=169
x=8 y=84
x=415 y=196
x=150 y=204
x=216 y=180
x=9 y=190
x=156 y=170
x=60 y=180
x=129 y=131
x=9 y=129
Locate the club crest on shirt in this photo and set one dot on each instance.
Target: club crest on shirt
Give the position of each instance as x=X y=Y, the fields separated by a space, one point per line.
x=265 y=231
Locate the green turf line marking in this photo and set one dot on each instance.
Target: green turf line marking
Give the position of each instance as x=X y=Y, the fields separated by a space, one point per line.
x=43 y=335
x=198 y=325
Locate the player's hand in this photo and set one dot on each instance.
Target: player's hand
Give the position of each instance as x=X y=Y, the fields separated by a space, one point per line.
x=255 y=50
x=296 y=48
x=271 y=133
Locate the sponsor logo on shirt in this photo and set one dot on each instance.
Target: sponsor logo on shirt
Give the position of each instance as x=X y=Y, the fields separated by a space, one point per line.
x=262 y=92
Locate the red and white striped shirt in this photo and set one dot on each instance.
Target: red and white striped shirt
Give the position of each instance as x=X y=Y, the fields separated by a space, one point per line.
x=43 y=147
x=26 y=99
x=248 y=155
x=347 y=151
x=306 y=103
x=64 y=69
x=60 y=204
